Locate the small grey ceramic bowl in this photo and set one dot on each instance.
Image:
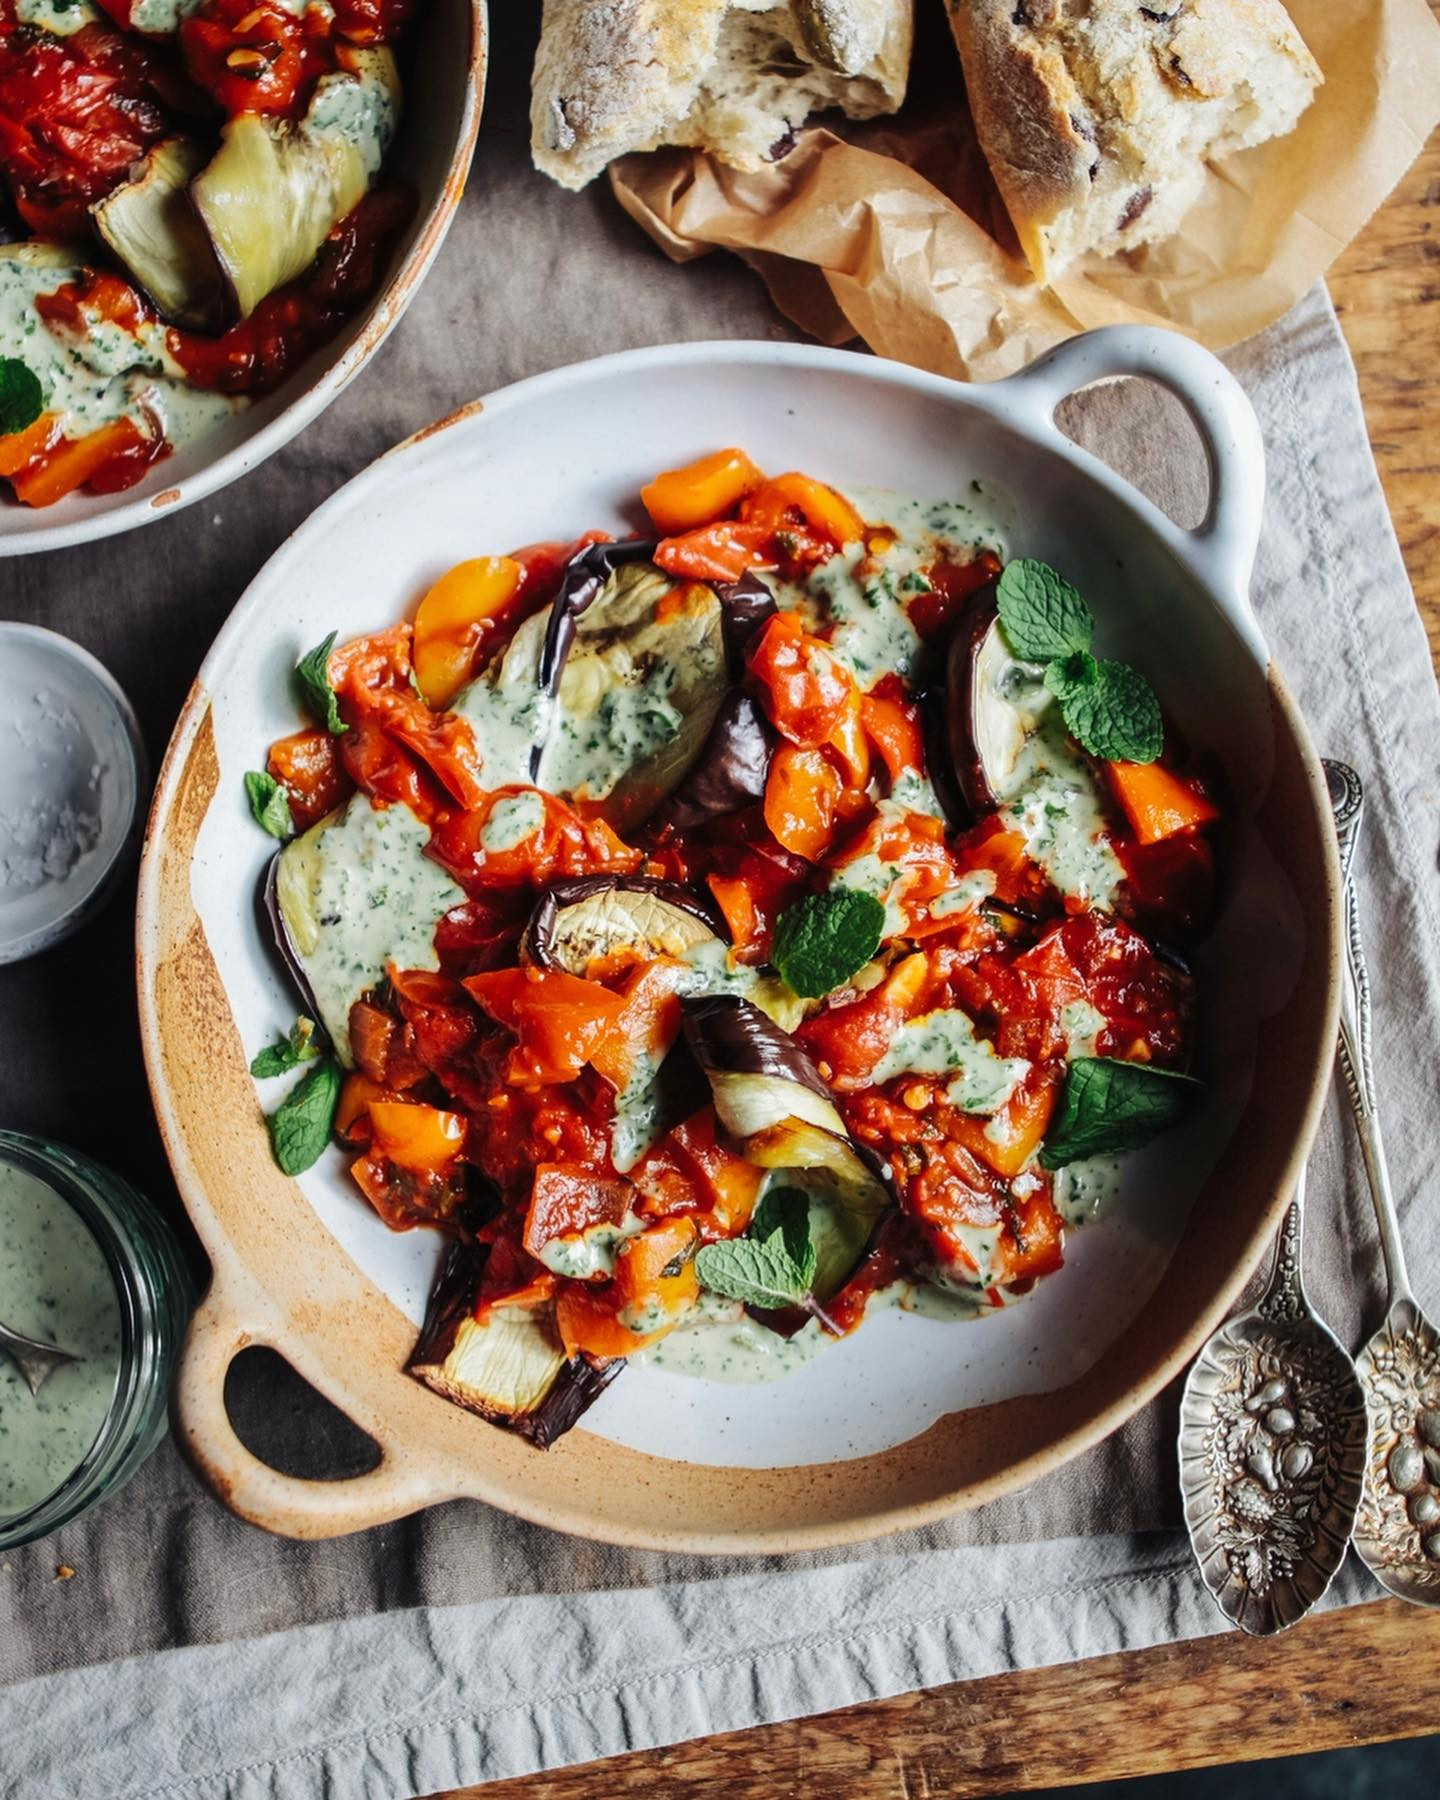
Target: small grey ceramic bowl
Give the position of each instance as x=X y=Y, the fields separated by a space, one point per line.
x=72 y=776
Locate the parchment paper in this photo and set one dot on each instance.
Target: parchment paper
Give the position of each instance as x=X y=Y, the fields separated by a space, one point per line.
x=896 y=234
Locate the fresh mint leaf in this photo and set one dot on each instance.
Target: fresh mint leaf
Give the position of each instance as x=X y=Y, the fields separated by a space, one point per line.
x=1109 y=1106
x=758 y=1274
x=785 y=1212
x=21 y=398
x=312 y=674
x=823 y=939
x=1115 y=715
x=1044 y=618
x=278 y=1059
x=773 y=1265
x=1070 y=674
x=300 y=1125
x=269 y=803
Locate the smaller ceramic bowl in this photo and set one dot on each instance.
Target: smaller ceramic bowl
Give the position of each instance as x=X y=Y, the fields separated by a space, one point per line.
x=71 y=782
x=432 y=153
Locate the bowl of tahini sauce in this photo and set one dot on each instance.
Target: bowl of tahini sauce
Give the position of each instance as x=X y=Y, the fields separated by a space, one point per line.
x=86 y=1264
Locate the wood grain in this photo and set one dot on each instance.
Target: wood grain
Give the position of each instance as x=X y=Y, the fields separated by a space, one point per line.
x=1386 y=289
x=1358 y=1676
x=1361 y=1676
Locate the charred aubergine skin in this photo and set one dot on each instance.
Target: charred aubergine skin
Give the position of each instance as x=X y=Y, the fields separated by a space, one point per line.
x=730 y=771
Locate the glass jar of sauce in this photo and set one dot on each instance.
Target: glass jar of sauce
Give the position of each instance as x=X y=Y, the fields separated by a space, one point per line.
x=87 y=1264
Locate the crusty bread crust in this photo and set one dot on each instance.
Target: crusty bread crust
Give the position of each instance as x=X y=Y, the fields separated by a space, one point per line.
x=733 y=76
x=1096 y=116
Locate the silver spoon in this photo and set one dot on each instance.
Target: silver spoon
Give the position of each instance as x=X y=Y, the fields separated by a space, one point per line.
x=36 y=1361
x=1398 y=1531
x=1272 y=1451
x=1273 y=1439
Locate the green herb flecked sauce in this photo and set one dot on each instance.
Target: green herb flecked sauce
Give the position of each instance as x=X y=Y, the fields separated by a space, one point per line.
x=376 y=899
x=105 y=374
x=872 y=633
x=943 y=1043
x=55 y=1287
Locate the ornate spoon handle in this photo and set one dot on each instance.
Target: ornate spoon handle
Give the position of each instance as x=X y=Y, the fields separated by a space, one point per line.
x=1356 y=1053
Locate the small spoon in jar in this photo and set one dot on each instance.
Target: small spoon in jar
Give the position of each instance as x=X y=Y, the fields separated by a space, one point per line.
x=35 y=1360
x=1397 y=1533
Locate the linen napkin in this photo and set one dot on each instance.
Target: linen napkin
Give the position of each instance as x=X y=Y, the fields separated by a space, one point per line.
x=462 y=1645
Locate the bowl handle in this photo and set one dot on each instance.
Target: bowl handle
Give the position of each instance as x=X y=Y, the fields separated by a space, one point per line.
x=289 y=1505
x=1222 y=547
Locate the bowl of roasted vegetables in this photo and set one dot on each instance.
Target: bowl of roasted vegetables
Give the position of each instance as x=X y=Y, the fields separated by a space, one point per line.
x=211 y=214
x=737 y=947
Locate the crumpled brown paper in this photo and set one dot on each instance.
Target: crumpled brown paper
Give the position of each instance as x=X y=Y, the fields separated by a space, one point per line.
x=895 y=233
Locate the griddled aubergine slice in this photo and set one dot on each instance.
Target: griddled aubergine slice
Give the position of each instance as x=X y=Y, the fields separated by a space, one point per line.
x=617 y=706
x=508 y=1366
x=275 y=190
x=349 y=896
x=595 y=916
x=152 y=228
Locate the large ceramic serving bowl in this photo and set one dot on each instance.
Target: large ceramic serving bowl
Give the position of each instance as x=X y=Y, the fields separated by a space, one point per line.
x=910 y=1418
x=444 y=90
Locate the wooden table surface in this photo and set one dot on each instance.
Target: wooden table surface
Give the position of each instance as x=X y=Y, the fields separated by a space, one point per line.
x=1360 y=1676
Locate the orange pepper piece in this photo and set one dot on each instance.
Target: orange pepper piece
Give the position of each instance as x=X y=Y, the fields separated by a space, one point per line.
x=783 y=497
x=72 y=462
x=808 y=693
x=802 y=795
x=737 y=906
x=567 y=1199
x=648 y=1025
x=559 y=1019
x=679 y=500
x=456 y=618
x=421 y=1138
x=654 y=1278
x=893 y=727
x=352 y=1115
x=1158 y=803
x=850 y=743
x=1018 y=1126
x=19 y=448
x=718 y=552
x=308 y=764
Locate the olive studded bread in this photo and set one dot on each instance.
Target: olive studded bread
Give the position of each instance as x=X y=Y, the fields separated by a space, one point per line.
x=732 y=76
x=1097 y=116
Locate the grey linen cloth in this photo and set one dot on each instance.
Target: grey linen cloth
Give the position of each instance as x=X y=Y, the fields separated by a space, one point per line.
x=462 y=1645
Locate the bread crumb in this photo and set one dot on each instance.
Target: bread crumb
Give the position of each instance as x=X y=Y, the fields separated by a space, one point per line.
x=63 y=1572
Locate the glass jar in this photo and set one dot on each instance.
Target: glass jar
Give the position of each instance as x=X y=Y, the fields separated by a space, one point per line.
x=154 y=1296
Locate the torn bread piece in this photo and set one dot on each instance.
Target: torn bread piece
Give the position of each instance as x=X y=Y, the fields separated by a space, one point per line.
x=1097 y=116
x=733 y=76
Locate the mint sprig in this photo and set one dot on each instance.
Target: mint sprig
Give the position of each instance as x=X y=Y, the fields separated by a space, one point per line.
x=21 y=398
x=301 y=1046
x=269 y=803
x=1108 y=707
x=774 y=1265
x=823 y=939
x=1114 y=714
x=312 y=676
x=1109 y=1106
x=1045 y=619
x=300 y=1125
